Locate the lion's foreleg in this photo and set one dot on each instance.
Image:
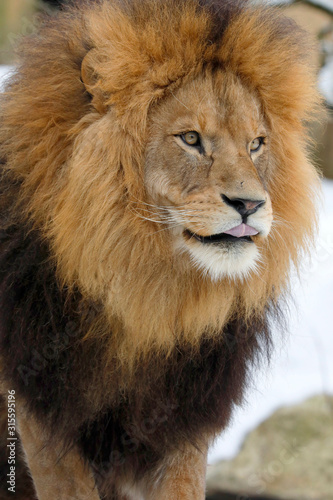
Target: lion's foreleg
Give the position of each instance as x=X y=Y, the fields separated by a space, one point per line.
x=56 y=476
x=183 y=477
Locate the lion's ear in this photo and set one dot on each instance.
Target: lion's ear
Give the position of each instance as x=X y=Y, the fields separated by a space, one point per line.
x=91 y=81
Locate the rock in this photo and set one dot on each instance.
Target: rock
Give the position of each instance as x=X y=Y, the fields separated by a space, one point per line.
x=316 y=22
x=289 y=456
x=323 y=151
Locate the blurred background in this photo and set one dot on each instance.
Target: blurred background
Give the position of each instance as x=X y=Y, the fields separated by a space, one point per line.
x=279 y=444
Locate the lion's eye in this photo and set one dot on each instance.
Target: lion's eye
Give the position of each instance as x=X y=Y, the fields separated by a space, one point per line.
x=256 y=144
x=191 y=138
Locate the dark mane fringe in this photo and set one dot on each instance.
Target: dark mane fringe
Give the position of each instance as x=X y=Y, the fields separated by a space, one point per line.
x=40 y=324
x=192 y=397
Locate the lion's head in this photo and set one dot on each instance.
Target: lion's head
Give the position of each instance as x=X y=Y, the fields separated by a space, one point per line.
x=207 y=166
x=162 y=153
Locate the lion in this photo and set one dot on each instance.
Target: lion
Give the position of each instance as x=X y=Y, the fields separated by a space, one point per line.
x=156 y=190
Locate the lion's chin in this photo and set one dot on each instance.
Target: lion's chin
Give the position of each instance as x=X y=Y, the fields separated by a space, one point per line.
x=220 y=261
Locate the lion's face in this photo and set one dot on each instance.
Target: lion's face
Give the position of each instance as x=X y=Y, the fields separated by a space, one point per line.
x=207 y=168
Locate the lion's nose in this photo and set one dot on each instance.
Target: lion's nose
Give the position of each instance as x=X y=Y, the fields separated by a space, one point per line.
x=243 y=207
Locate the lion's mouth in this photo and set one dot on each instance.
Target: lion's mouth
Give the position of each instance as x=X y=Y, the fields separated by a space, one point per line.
x=240 y=233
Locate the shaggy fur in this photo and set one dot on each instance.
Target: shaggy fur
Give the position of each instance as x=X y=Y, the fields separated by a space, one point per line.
x=113 y=342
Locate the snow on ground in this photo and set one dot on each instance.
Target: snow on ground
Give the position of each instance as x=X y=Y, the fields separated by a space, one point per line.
x=301 y=365
x=325 y=81
x=5 y=72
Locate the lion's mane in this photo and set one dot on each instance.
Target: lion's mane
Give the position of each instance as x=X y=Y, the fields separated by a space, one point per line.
x=73 y=131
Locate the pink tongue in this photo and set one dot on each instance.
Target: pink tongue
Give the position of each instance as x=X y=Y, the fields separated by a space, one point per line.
x=242 y=230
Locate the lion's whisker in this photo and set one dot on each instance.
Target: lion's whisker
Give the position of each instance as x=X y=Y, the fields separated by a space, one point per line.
x=180 y=102
x=164 y=229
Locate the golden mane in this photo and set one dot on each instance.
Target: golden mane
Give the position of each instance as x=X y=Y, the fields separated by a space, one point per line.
x=88 y=83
